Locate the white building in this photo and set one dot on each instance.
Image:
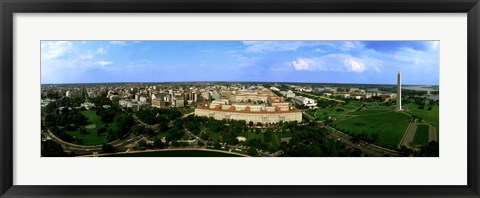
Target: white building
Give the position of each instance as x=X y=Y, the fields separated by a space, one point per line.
x=87 y=105
x=304 y=101
x=274 y=89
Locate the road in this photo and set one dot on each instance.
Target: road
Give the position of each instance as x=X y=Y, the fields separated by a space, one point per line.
x=144 y=124
x=409 y=135
x=432 y=134
x=169 y=149
x=317 y=96
x=123 y=144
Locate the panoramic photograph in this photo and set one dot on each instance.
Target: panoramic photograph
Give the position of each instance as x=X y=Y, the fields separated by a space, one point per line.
x=234 y=98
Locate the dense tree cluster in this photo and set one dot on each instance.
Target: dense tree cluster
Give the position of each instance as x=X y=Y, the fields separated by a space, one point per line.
x=107 y=114
x=406 y=92
x=139 y=129
x=69 y=102
x=311 y=141
x=158 y=115
x=422 y=103
x=68 y=119
x=120 y=127
x=108 y=148
x=52 y=149
x=307 y=140
x=373 y=138
x=430 y=150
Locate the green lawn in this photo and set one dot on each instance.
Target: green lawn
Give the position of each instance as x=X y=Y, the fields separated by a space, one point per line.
x=251 y=135
x=213 y=135
x=430 y=116
x=323 y=114
x=186 y=110
x=352 y=105
x=276 y=140
x=91 y=137
x=369 y=111
x=390 y=126
x=421 y=135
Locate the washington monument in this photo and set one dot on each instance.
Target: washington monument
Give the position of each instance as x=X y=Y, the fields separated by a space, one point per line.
x=399 y=92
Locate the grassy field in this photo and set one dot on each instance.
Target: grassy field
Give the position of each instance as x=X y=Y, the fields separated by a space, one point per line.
x=430 y=116
x=91 y=137
x=186 y=110
x=369 y=111
x=390 y=126
x=421 y=135
x=323 y=114
x=333 y=112
x=176 y=153
x=251 y=135
x=352 y=105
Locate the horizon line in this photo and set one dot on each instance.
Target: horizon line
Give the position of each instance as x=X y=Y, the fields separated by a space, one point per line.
x=126 y=82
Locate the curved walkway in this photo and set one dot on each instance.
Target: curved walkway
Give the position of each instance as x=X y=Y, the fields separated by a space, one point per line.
x=171 y=149
x=91 y=148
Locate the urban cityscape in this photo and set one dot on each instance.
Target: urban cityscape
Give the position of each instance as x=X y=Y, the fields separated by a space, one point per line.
x=239 y=99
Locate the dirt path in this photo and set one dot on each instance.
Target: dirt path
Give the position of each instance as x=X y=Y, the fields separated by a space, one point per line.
x=432 y=134
x=409 y=135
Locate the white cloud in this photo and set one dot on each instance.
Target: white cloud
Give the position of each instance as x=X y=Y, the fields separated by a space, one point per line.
x=336 y=62
x=101 y=51
x=89 y=55
x=55 y=49
x=416 y=57
x=268 y=46
x=350 y=45
x=302 y=64
x=103 y=63
x=354 y=65
x=118 y=42
x=434 y=45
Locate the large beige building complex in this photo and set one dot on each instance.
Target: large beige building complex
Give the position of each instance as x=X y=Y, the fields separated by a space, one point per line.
x=257 y=106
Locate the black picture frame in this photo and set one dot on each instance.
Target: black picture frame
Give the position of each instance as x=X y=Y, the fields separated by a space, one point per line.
x=10 y=7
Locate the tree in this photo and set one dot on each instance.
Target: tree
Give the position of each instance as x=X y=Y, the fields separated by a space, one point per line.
x=430 y=150
x=148 y=131
x=158 y=143
x=83 y=131
x=268 y=136
x=52 y=149
x=252 y=151
x=108 y=148
x=101 y=131
x=142 y=145
x=162 y=127
x=217 y=145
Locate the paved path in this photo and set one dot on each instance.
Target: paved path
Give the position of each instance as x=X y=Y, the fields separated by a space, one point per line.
x=169 y=149
x=432 y=134
x=409 y=135
x=120 y=144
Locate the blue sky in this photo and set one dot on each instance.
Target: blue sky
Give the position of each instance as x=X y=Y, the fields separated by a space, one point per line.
x=363 y=62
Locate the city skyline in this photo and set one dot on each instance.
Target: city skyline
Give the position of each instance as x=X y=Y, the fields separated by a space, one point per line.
x=336 y=62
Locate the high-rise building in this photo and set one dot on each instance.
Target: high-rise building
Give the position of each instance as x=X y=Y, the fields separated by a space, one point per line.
x=399 y=92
